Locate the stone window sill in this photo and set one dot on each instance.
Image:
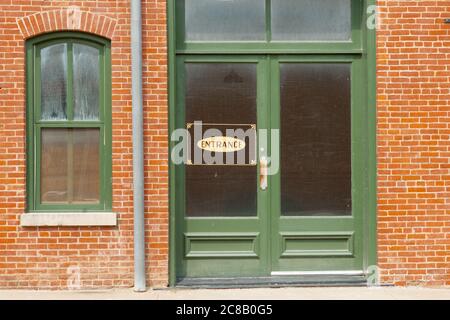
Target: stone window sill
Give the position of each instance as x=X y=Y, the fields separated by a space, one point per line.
x=56 y=219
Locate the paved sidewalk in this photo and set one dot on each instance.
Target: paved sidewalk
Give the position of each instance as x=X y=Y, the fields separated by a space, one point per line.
x=359 y=293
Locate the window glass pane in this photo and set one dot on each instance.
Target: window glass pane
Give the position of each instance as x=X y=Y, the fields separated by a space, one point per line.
x=86 y=88
x=221 y=93
x=86 y=159
x=224 y=20
x=70 y=161
x=311 y=20
x=54 y=82
x=315 y=139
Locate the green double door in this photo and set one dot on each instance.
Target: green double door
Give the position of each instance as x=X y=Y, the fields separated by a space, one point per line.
x=295 y=204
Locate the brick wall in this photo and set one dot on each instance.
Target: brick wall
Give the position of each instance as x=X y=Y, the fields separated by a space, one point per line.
x=52 y=258
x=413 y=67
x=413 y=54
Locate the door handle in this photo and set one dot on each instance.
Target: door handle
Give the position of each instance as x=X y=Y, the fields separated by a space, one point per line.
x=263 y=173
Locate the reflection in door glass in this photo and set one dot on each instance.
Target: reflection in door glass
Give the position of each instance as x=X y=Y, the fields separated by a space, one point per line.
x=221 y=93
x=315 y=139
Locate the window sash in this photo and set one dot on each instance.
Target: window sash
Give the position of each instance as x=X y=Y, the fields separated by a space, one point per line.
x=69 y=89
x=35 y=124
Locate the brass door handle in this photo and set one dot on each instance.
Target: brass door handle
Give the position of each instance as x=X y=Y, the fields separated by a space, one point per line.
x=263 y=173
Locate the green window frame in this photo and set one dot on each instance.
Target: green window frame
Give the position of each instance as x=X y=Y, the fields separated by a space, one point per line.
x=35 y=124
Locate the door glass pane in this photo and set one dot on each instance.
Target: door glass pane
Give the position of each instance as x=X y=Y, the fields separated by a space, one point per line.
x=54 y=82
x=311 y=20
x=70 y=160
x=315 y=139
x=86 y=88
x=221 y=93
x=224 y=20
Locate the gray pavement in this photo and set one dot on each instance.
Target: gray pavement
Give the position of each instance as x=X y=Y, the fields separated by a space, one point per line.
x=359 y=293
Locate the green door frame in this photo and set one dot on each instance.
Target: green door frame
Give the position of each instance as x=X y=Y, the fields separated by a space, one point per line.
x=365 y=45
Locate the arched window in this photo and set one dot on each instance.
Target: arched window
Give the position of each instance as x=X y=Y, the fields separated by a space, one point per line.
x=68 y=123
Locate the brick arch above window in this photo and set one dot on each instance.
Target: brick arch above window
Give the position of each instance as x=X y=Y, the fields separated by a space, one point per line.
x=71 y=18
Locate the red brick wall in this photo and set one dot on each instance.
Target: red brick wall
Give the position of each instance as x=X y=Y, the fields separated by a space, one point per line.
x=51 y=258
x=413 y=51
x=156 y=139
x=413 y=59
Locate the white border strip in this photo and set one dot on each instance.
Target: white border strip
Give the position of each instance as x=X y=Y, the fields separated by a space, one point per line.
x=321 y=273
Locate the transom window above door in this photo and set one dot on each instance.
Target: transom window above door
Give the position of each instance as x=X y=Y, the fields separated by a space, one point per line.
x=269 y=23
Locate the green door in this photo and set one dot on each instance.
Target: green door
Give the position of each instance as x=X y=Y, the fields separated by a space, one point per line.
x=272 y=140
x=223 y=216
x=299 y=213
x=316 y=211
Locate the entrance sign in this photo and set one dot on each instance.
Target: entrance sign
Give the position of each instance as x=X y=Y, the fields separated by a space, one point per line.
x=221 y=144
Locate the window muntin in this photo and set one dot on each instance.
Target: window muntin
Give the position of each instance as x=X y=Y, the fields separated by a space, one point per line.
x=69 y=125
